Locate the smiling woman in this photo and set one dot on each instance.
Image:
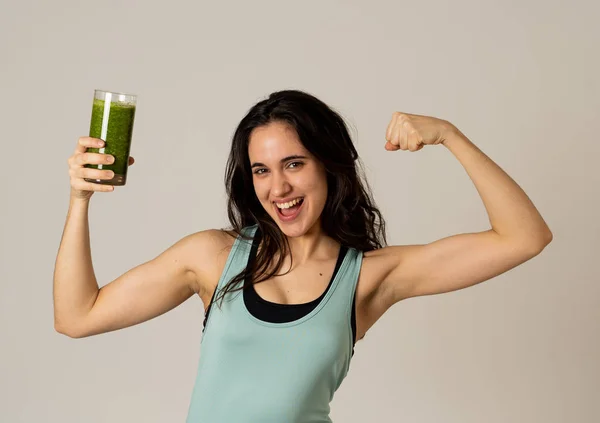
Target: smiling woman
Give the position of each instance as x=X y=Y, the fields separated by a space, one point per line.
x=303 y=219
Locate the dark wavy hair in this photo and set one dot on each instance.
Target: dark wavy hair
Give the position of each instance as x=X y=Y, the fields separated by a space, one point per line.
x=350 y=215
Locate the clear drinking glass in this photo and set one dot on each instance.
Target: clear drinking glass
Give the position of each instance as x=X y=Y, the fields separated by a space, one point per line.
x=112 y=121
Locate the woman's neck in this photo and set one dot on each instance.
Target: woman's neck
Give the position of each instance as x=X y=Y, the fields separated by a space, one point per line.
x=314 y=245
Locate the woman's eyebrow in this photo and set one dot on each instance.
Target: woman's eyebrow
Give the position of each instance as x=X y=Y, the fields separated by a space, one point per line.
x=285 y=159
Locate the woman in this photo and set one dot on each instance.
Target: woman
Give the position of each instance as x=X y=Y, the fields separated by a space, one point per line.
x=303 y=272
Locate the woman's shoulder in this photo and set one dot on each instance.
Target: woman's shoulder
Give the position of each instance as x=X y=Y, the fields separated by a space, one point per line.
x=212 y=241
x=206 y=253
x=218 y=239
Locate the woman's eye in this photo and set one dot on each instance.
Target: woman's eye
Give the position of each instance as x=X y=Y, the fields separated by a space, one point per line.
x=258 y=171
x=295 y=164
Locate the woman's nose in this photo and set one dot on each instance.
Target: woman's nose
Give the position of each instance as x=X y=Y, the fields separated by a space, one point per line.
x=279 y=185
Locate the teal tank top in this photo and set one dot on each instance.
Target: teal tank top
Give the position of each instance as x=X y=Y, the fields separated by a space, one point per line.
x=253 y=371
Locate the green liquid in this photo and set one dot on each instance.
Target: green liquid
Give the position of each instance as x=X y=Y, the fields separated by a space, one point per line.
x=118 y=135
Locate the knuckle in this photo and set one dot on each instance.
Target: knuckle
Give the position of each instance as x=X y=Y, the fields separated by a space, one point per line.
x=84 y=141
x=91 y=173
x=99 y=174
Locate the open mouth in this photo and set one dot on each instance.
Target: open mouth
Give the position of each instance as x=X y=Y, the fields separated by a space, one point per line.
x=289 y=211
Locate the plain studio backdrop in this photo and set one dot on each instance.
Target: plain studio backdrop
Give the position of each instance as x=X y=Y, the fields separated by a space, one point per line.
x=519 y=78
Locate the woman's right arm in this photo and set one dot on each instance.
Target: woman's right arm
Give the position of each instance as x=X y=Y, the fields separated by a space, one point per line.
x=82 y=309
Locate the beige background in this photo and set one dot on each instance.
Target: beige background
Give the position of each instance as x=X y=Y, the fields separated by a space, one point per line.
x=520 y=79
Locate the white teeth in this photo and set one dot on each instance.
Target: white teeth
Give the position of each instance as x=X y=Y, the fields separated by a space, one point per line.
x=288 y=204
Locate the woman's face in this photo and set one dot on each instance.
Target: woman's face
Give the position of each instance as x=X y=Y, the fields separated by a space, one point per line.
x=289 y=182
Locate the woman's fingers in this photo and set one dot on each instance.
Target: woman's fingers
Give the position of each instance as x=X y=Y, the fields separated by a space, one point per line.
x=82 y=187
x=88 y=142
x=78 y=172
x=81 y=175
x=93 y=158
x=84 y=172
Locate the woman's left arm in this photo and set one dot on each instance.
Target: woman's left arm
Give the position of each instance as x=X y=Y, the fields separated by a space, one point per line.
x=518 y=231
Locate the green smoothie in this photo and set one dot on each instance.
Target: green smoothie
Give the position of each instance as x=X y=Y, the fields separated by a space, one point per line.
x=117 y=137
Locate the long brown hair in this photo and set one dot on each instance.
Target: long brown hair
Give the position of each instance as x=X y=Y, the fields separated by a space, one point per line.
x=350 y=215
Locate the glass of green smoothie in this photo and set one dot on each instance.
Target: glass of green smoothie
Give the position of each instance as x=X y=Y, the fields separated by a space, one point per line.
x=112 y=121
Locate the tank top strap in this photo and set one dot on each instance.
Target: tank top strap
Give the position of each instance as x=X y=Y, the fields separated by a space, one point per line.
x=350 y=270
x=238 y=256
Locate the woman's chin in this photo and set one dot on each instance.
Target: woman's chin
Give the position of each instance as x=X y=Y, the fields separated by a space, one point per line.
x=292 y=229
x=297 y=228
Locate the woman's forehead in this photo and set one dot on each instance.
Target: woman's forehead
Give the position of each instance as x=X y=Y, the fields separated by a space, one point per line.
x=274 y=141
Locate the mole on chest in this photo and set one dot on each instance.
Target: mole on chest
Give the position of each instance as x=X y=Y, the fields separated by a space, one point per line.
x=293 y=288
